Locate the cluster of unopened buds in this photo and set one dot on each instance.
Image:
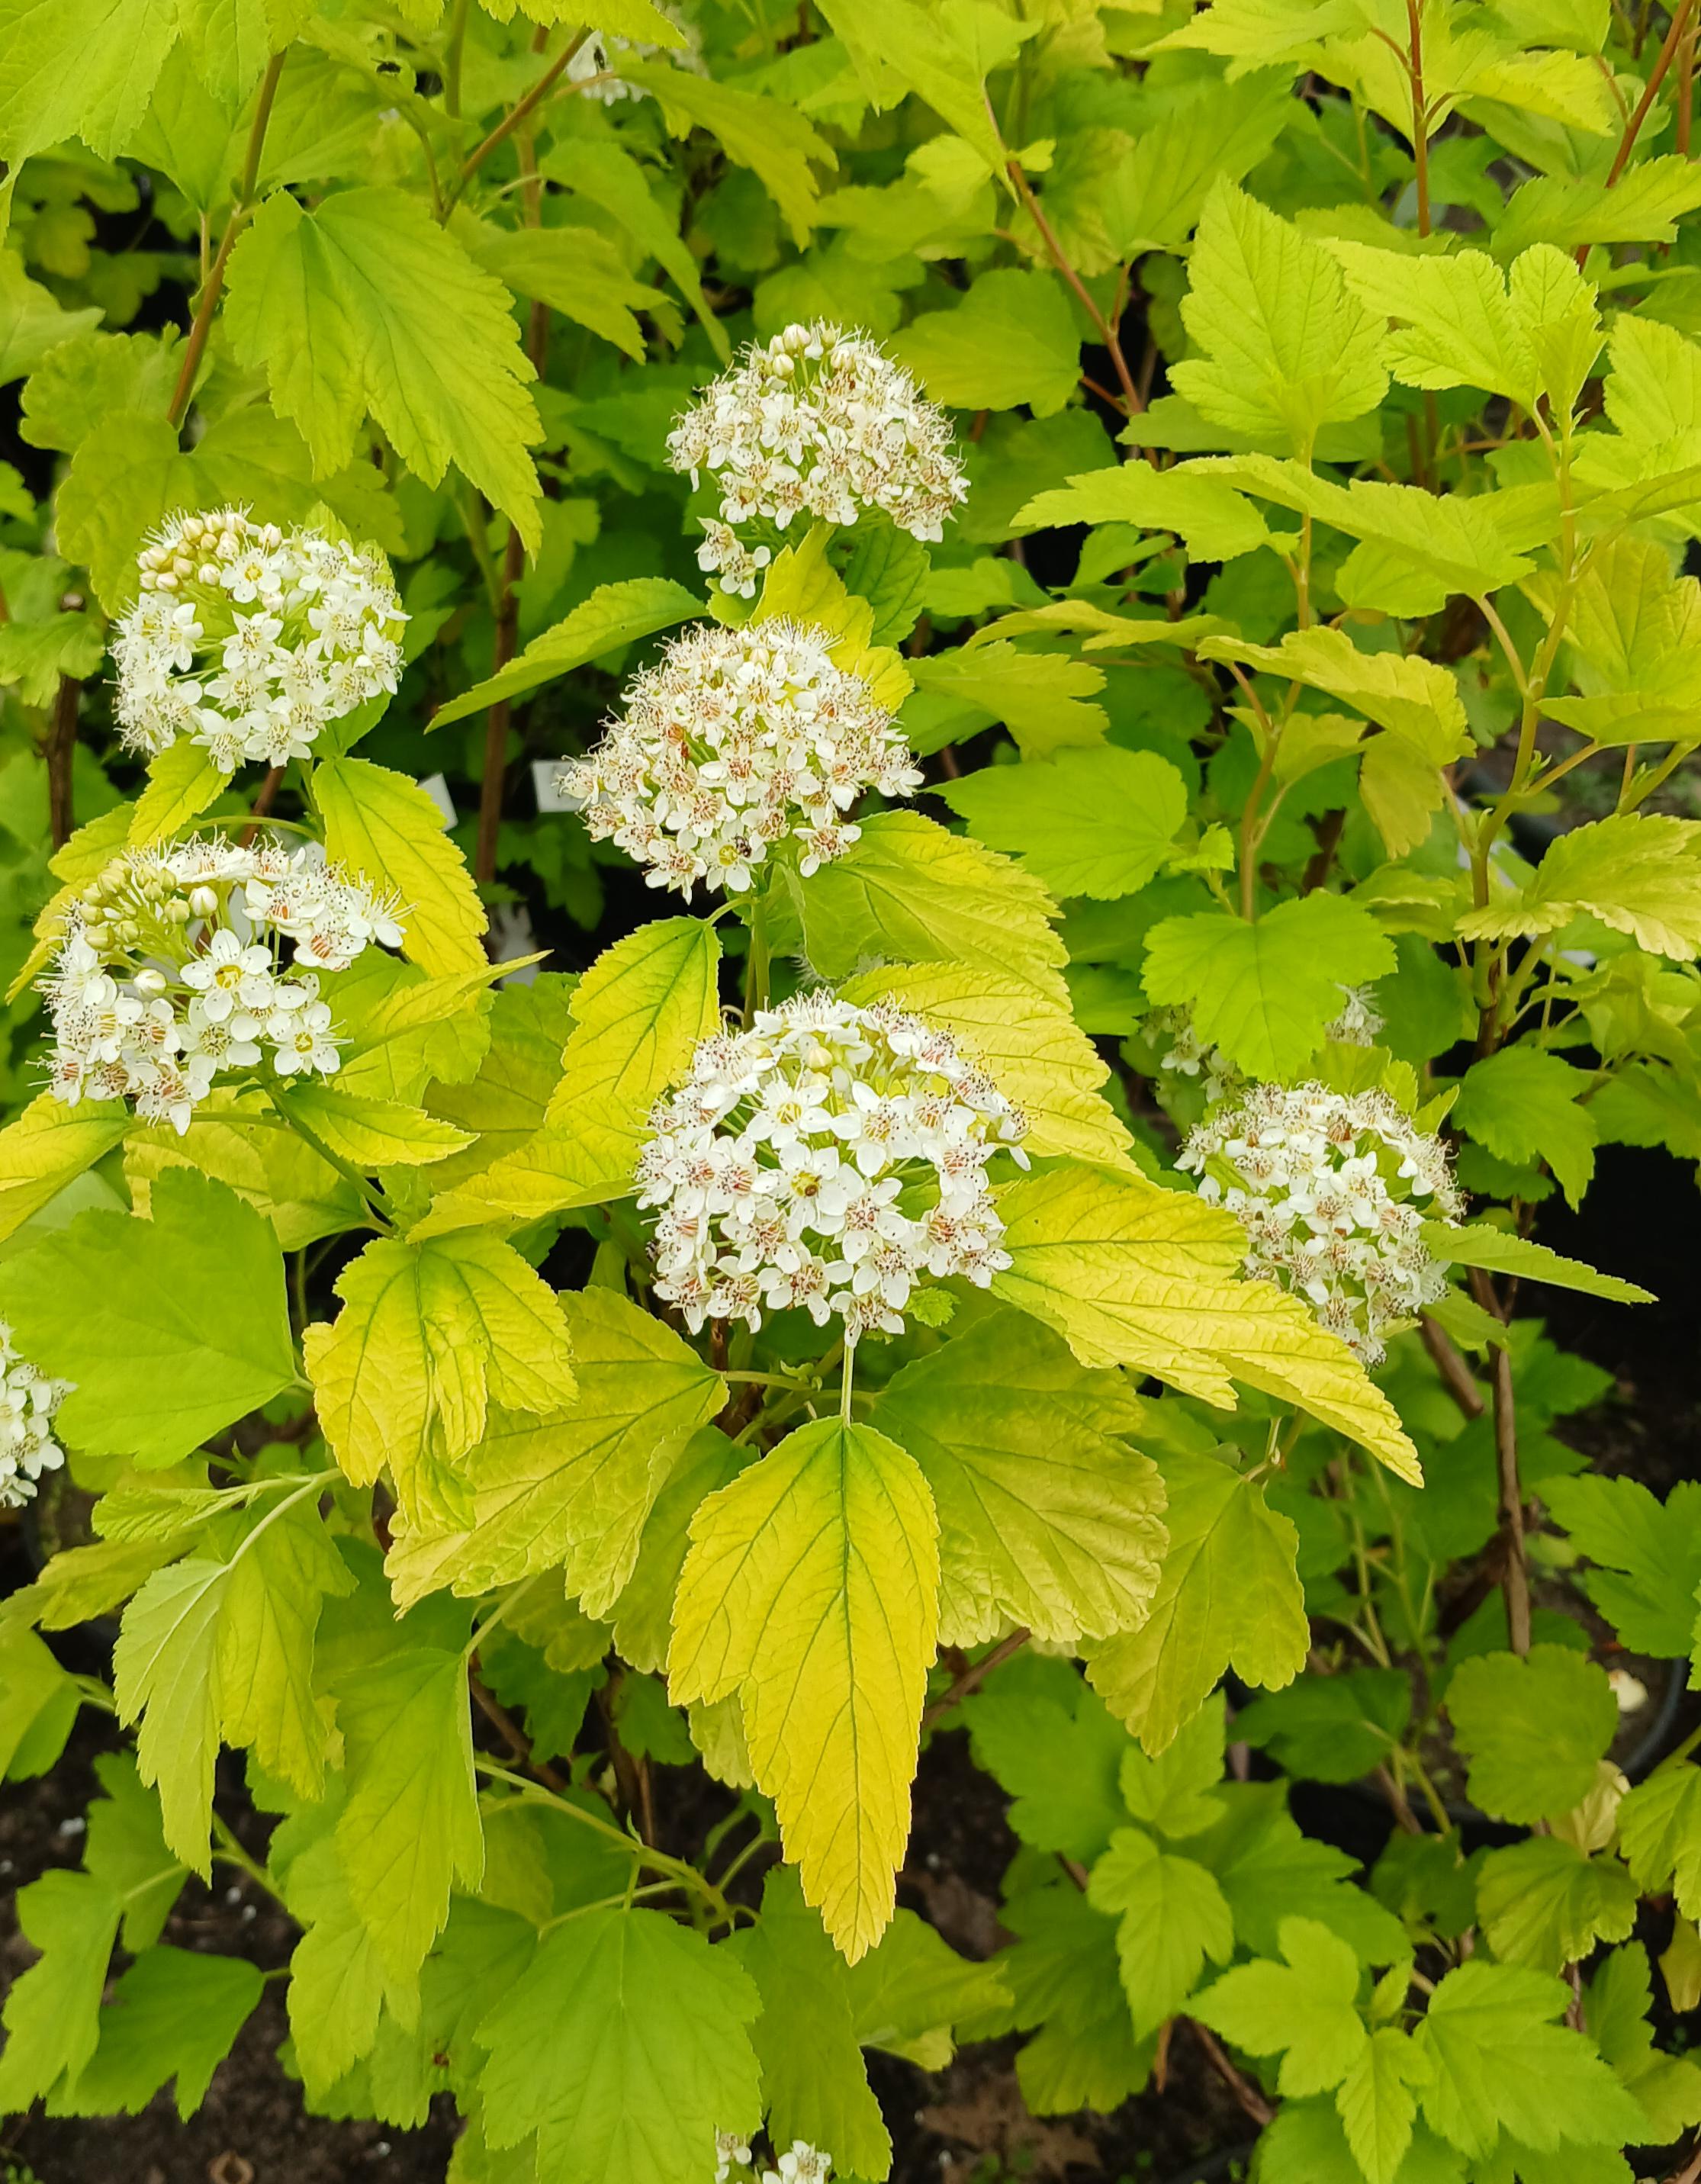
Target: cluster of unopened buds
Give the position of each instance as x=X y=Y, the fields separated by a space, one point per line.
x=171 y=972
x=816 y=422
x=800 y=2163
x=1333 y=1190
x=28 y=1401
x=736 y=740
x=828 y=1159
x=250 y=640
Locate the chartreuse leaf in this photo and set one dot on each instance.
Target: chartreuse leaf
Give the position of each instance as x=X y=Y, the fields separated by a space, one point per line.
x=643 y=1613
x=1632 y=629
x=1660 y=1831
x=84 y=69
x=1667 y=2087
x=1212 y=522
x=1522 y=1104
x=1010 y=341
x=211 y=1646
x=1264 y=991
x=32 y=323
x=1094 y=822
x=908 y=892
x=336 y=1978
x=1043 y=697
x=1502 y=1252
x=811 y=1590
x=1132 y=1274
x=236 y=1137
x=1228 y=1596
x=49 y=1145
x=638 y=1012
x=371 y=1134
x=911 y=1990
x=1533 y=1729
x=1283 y=349
x=366 y=303
x=572 y=1490
x=775 y=141
x=1045 y=1520
x=38 y=1704
x=1648 y=1556
x=943 y=56
x=1376 y=2104
x=183 y=781
x=53 y=2011
x=170 y=1327
x=625 y=2047
x=383 y=826
x=1500 y=2060
x=1545 y=1902
x=410 y=1829
x=175 y=2013
x=814 y=2085
x=1173 y=1917
x=613 y=616
x=1304 y=2009
x=429 y=1336
x=1055 y=1751
x=1028 y=1044
x=1639 y=874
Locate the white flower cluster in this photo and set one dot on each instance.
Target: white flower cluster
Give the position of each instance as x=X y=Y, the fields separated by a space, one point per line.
x=248 y=640
x=801 y=2164
x=816 y=423
x=1179 y=1048
x=171 y=970
x=1328 y=1185
x=1359 y=1020
x=28 y=1401
x=736 y=739
x=827 y=1158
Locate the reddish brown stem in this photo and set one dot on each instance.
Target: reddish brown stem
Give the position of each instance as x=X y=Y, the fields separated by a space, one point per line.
x=1457 y=1377
x=516 y=114
x=973 y=1676
x=1421 y=115
x=265 y=797
x=1107 y=331
x=1515 y=1578
x=1675 y=37
x=61 y=757
x=1242 y=2087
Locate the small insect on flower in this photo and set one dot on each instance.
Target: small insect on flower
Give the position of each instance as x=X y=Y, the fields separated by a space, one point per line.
x=829 y=1159
x=248 y=640
x=1327 y=1186
x=816 y=423
x=171 y=972
x=28 y=1401
x=736 y=740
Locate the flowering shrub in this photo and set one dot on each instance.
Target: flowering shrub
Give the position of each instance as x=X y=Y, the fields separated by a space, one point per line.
x=1127 y=567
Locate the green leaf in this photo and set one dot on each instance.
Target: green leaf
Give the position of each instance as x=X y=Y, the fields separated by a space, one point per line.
x=1307 y=2142
x=1331 y=1729
x=366 y=303
x=1010 y=341
x=165 y=1670
x=1067 y=1981
x=383 y=825
x=1172 y=1917
x=38 y=1705
x=1499 y=1251
x=371 y=1134
x=778 y=143
x=1130 y=1273
x=1522 y=1104
x=1660 y=1831
x=429 y=1337
x=1649 y=1557
x=1304 y=2010
x=1093 y=822
x=624 y=2046
x=1228 y=1595
x=1533 y=1729
x=573 y=269
x=642 y=1615
x=1499 y=2061
x=909 y=892
x=814 y=2085
x=811 y=1590
x=573 y=1490
x=78 y=67
x=32 y=322
x=1265 y=991
x=639 y=1011
x=1056 y=1752
x=1042 y=696
x=1213 y=522
x=1045 y=1521
x=53 y=2010
x=175 y=2013
x=336 y=1979
x=613 y=616
x=1175 y=1793
x=607 y=174
x=287 y=1567
x=49 y=1145
x=182 y=782
x=1546 y=1904
x=171 y=1328
x=1639 y=874
x=410 y=1827
x=1376 y=2105
x=911 y=1990
x=1617 y=2006
x=1285 y=348
x=944 y=55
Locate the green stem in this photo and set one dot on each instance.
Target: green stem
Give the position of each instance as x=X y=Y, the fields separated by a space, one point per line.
x=756 y=967
x=683 y=1875
x=346 y=1169
x=516 y=114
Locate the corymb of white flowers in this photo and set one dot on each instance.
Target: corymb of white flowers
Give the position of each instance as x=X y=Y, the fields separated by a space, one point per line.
x=829 y=1158
x=1332 y=1189
x=248 y=640
x=816 y=423
x=171 y=972
x=28 y=1400
x=736 y=739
